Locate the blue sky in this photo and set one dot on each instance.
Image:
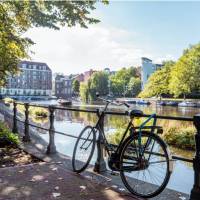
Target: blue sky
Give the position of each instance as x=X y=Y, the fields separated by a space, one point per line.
x=128 y=30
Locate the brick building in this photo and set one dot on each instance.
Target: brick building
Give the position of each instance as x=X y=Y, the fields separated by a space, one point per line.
x=35 y=79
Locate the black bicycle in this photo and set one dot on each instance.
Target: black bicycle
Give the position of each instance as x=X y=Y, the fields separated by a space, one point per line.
x=141 y=158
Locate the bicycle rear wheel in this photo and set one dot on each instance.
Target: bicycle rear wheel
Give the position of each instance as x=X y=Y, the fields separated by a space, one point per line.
x=84 y=149
x=147 y=176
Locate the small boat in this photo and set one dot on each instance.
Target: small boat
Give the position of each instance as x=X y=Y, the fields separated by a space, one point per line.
x=171 y=103
x=187 y=104
x=161 y=103
x=143 y=102
x=64 y=102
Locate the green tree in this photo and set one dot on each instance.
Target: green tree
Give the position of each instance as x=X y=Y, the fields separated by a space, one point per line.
x=84 y=92
x=98 y=83
x=76 y=86
x=120 y=80
x=16 y=17
x=185 y=75
x=134 y=86
x=158 y=82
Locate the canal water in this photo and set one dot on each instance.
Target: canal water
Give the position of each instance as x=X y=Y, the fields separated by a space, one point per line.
x=73 y=122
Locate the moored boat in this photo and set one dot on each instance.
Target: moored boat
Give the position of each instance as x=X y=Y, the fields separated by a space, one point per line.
x=171 y=103
x=187 y=104
x=64 y=102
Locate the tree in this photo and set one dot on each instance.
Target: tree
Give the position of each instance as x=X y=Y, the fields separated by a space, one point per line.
x=158 y=82
x=120 y=80
x=134 y=86
x=16 y=17
x=75 y=86
x=84 y=92
x=98 y=83
x=185 y=75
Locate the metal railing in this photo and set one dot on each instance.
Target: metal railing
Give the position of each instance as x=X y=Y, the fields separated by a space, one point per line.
x=100 y=164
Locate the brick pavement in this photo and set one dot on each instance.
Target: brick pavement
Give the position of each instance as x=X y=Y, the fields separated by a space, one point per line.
x=51 y=181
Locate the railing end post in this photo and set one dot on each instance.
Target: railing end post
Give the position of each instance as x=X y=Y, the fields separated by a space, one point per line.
x=195 y=192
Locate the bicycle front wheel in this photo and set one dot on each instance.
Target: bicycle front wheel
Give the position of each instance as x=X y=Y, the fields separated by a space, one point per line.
x=147 y=175
x=84 y=149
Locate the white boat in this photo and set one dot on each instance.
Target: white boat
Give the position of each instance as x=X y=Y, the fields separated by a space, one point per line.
x=187 y=104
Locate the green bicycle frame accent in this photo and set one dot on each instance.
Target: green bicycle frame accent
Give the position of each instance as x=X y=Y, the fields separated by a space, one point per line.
x=153 y=116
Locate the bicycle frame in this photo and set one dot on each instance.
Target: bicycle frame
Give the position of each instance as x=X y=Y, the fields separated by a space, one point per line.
x=130 y=124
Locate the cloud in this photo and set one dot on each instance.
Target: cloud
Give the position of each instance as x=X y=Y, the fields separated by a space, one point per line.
x=164 y=58
x=75 y=50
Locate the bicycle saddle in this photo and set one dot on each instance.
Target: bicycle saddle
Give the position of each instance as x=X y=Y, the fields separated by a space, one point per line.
x=135 y=113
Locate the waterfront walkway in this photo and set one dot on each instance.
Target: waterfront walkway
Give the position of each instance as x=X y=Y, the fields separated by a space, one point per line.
x=47 y=181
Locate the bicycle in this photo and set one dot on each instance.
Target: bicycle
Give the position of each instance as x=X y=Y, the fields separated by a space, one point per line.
x=135 y=157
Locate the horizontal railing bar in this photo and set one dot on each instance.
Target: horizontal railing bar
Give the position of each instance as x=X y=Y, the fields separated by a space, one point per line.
x=157 y=116
x=111 y=112
x=69 y=135
x=46 y=129
x=182 y=159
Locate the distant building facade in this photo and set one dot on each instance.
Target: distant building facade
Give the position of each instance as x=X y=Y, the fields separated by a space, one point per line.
x=63 y=87
x=35 y=79
x=148 y=67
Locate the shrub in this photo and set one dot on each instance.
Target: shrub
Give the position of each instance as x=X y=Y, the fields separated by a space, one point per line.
x=8 y=101
x=6 y=136
x=180 y=137
x=40 y=112
x=33 y=111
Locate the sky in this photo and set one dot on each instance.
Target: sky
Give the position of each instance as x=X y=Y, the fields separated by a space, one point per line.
x=128 y=31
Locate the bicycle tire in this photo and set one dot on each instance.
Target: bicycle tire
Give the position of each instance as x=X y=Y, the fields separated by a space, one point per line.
x=146 y=189
x=78 y=165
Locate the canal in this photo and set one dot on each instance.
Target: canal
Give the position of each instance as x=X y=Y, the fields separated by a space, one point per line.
x=73 y=122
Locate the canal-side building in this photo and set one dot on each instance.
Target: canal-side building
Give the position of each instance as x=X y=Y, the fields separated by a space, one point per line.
x=148 y=67
x=63 y=87
x=35 y=79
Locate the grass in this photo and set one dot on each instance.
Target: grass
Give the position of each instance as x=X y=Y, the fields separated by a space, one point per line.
x=180 y=137
x=6 y=136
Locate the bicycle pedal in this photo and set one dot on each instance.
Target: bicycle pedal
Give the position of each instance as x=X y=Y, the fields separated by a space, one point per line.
x=114 y=173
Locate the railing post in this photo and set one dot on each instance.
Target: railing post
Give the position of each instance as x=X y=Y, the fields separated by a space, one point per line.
x=100 y=164
x=195 y=192
x=15 y=129
x=51 y=147
x=26 y=137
